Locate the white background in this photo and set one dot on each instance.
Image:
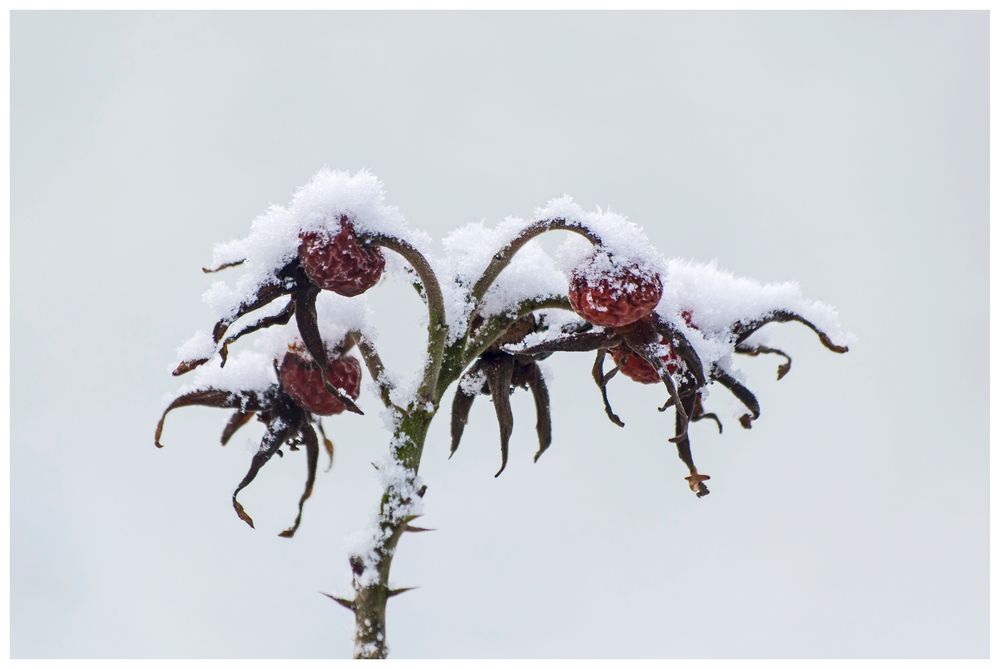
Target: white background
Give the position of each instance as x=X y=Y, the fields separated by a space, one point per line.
x=845 y=151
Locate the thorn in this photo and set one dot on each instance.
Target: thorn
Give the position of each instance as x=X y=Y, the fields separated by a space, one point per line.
x=413 y=528
x=399 y=591
x=343 y=601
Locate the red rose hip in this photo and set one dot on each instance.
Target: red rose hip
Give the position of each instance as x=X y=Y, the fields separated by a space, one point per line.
x=634 y=367
x=615 y=298
x=338 y=262
x=301 y=380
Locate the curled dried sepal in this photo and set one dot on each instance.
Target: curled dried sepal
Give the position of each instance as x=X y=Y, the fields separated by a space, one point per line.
x=279 y=430
x=741 y=331
x=236 y=421
x=742 y=393
x=209 y=397
x=754 y=351
x=327 y=444
x=601 y=379
x=462 y=404
x=312 y=458
x=280 y=318
x=696 y=480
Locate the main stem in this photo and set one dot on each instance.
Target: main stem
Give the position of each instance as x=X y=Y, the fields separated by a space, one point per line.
x=444 y=365
x=371 y=572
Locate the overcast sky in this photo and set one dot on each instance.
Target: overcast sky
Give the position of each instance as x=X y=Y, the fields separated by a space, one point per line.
x=845 y=151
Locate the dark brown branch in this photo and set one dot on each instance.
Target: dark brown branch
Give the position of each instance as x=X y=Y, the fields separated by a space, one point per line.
x=502 y=257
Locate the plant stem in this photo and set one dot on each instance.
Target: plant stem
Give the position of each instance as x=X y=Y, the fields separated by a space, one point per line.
x=371 y=570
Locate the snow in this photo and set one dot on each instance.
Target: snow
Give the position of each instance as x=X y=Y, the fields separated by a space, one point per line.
x=249 y=366
x=274 y=235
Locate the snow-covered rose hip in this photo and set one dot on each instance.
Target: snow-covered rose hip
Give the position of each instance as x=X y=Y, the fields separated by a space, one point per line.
x=613 y=296
x=338 y=262
x=302 y=381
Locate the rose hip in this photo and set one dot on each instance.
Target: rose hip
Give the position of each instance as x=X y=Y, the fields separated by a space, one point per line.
x=302 y=381
x=615 y=299
x=338 y=262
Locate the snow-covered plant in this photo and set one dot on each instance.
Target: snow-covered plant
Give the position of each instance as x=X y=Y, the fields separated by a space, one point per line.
x=497 y=303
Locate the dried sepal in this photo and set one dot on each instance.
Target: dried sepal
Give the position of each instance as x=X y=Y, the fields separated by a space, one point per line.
x=498 y=377
x=649 y=353
x=279 y=318
x=754 y=351
x=696 y=480
x=279 y=430
x=601 y=379
x=540 y=393
x=682 y=346
x=327 y=444
x=581 y=342
x=236 y=421
x=742 y=393
x=208 y=397
x=742 y=330
x=265 y=295
x=461 y=405
x=305 y=318
x=311 y=443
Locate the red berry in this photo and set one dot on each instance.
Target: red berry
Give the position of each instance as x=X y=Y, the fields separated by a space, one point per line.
x=613 y=299
x=302 y=381
x=338 y=262
x=634 y=367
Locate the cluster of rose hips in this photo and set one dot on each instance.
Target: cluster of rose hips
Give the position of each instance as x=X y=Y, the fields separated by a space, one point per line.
x=312 y=379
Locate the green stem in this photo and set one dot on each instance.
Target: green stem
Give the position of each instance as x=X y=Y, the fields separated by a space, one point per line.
x=437 y=327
